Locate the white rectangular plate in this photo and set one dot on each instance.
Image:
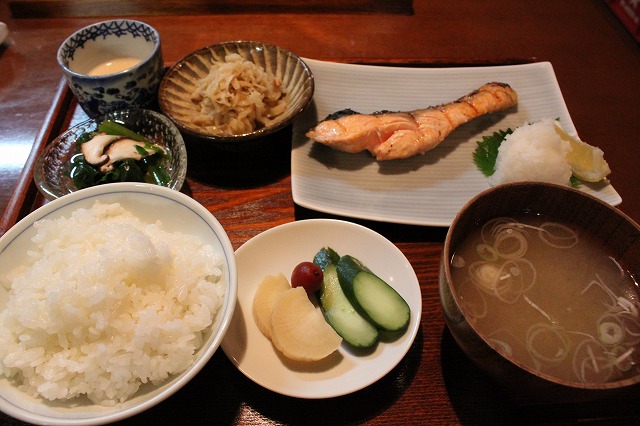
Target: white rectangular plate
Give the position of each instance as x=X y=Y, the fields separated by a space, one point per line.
x=427 y=189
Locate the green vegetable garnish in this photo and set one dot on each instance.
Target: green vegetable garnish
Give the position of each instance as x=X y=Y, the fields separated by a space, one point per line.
x=155 y=172
x=487 y=151
x=486 y=154
x=149 y=169
x=113 y=128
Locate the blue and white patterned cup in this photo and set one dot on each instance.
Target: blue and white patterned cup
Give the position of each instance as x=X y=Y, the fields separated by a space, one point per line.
x=113 y=65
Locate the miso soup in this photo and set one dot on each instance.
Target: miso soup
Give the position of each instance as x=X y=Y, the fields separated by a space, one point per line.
x=552 y=297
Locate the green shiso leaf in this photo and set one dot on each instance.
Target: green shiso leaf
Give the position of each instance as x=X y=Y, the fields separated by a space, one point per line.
x=575 y=182
x=487 y=151
x=486 y=154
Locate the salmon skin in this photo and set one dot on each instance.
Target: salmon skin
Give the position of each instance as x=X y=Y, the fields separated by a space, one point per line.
x=394 y=135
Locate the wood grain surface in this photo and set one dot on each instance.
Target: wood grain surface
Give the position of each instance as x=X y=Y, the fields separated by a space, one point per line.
x=597 y=64
x=85 y=8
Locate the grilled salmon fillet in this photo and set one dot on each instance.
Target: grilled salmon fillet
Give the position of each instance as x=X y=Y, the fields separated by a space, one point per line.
x=396 y=135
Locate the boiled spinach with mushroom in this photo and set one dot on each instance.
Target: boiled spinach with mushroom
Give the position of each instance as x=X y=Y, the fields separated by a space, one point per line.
x=114 y=153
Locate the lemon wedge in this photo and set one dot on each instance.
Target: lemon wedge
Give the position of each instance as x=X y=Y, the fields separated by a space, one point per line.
x=586 y=161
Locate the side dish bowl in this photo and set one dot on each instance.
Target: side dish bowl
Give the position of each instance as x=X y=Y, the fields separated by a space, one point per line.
x=150 y=203
x=52 y=168
x=614 y=234
x=181 y=80
x=279 y=250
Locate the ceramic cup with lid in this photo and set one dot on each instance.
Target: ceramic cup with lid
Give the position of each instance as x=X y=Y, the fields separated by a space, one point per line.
x=113 y=65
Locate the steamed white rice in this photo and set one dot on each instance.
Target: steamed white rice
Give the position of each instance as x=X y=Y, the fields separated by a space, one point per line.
x=533 y=152
x=106 y=303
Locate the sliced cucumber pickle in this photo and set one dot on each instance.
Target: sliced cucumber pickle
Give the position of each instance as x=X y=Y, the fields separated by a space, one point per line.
x=371 y=296
x=341 y=314
x=326 y=256
x=338 y=311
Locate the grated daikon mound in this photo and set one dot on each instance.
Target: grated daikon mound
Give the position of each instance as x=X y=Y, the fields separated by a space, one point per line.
x=106 y=303
x=533 y=152
x=237 y=97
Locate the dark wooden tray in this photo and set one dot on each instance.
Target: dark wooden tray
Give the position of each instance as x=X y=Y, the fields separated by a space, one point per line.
x=26 y=197
x=449 y=385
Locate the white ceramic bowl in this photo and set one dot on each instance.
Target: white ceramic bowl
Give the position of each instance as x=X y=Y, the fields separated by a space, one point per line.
x=280 y=249
x=4 y=32
x=177 y=212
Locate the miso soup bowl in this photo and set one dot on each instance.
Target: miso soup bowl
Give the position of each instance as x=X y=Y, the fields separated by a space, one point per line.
x=616 y=231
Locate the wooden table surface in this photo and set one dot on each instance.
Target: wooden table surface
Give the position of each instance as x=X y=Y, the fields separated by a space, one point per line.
x=597 y=64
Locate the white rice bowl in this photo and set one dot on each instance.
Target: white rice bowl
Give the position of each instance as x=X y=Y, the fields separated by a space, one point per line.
x=126 y=356
x=533 y=152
